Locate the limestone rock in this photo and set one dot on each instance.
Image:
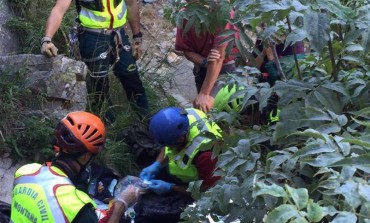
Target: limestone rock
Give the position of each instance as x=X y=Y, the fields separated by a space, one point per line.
x=60 y=79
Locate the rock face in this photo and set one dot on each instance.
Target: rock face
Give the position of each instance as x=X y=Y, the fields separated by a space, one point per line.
x=7 y=170
x=60 y=79
x=8 y=40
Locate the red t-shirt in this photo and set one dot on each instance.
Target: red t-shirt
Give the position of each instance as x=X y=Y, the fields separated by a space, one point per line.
x=206 y=166
x=203 y=43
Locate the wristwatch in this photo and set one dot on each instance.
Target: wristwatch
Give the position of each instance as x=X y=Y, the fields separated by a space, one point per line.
x=138 y=38
x=204 y=62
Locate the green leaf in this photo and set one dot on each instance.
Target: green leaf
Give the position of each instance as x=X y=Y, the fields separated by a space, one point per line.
x=354 y=59
x=348 y=172
x=277 y=160
x=295 y=36
x=324 y=160
x=314 y=148
x=269 y=31
x=299 y=220
x=345 y=217
x=335 y=7
x=189 y=25
x=314 y=211
x=362 y=160
x=349 y=191
x=352 y=35
x=338 y=87
x=282 y=214
x=364 y=123
x=317 y=27
x=354 y=47
x=299 y=196
x=234 y=164
x=273 y=190
x=359 y=142
x=366 y=40
x=328 y=99
x=329 y=128
x=364 y=191
x=226 y=33
x=312 y=133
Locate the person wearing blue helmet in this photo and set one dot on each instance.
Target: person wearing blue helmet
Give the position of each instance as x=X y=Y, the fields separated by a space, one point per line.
x=181 y=132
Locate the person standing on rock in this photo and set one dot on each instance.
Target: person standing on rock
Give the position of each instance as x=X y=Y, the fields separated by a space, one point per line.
x=104 y=44
x=47 y=193
x=209 y=58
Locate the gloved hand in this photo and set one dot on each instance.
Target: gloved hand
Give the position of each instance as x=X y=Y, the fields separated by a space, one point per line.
x=151 y=171
x=160 y=187
x=129 y=196
x=47 y=47
x=137 y=39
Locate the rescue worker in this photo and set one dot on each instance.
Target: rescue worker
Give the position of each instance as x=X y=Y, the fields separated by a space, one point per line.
x=208 y=52
x=103 y=43
x=47 y=193
x=179 y=131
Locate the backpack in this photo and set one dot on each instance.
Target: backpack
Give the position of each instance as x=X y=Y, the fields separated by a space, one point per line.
x=4 y=212
x=143 y=146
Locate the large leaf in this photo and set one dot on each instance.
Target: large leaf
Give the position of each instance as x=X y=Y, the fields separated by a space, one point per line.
x=314 y=148
x=335 y=7
x=314 y=211
x=345 y=217
x=349 y=191
x=324 y=160
x=273 y=190
x=362 y=160
x=337 y=87
x=328 y=99
x=299 y=196
x=282 y=214
x=366 y=40
x=317 y=27
x=364 y=191
x=295 y=36
x=311 y=133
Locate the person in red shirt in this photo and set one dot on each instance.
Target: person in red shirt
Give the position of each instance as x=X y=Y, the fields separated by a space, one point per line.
x=209 y=58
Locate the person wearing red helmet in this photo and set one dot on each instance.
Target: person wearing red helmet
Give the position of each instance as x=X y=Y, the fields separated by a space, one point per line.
x=47 y=193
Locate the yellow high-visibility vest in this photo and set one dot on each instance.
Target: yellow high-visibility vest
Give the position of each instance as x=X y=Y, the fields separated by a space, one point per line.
x=180 y=163
x=45 y=194
x=102 y=14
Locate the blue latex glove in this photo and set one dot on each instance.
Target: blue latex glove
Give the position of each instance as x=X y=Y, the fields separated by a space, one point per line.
x=151 y=171
x=160 y=187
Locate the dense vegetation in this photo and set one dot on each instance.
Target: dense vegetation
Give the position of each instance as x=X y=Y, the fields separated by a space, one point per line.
x=313 y=165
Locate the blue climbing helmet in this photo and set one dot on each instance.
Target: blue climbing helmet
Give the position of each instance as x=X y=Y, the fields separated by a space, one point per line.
x=168 y=125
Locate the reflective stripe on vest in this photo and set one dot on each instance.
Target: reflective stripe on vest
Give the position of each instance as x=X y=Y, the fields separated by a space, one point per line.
x=45 y=194
x=110 y=18
x=180 y=164
x=274 y=118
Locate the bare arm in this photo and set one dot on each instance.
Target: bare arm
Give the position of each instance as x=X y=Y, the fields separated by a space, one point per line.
x=133 y=16
x=198 y=59
x=160 y=158
x=204 y=101
x=56 y=17
x=118 y=210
